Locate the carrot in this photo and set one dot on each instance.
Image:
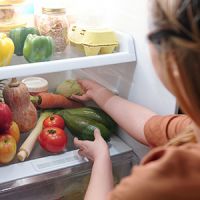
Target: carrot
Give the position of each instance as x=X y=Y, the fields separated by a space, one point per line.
x=47 y=100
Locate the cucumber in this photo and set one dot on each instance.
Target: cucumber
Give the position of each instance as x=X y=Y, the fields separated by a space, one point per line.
x=95 y=114
x=81 y=122
x=83 y=128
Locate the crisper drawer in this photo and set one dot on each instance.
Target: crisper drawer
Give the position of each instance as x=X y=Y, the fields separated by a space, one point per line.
x=62 y=176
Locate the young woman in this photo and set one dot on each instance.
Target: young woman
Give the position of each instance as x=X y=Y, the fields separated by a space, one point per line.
x=172 y=170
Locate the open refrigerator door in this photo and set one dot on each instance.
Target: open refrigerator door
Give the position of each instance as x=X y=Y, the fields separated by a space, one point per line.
x=66 y=175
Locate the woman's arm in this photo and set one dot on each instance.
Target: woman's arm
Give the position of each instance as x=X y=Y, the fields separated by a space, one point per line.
x=129 y=116
x=101 y=180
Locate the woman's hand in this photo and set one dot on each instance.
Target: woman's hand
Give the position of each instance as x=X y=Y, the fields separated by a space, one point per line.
x=90 y=87
x=93 y=91
x=101 y=180
x=98 y=149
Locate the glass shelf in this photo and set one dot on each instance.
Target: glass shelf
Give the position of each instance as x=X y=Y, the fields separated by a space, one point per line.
x=71 y=59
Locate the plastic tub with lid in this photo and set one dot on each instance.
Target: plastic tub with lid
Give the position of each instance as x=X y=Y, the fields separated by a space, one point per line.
x=36 y=85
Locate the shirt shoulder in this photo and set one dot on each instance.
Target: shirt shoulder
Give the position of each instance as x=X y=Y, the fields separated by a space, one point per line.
x=162 y=175
x=158 y=130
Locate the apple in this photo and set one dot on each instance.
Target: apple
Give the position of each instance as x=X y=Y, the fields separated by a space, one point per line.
x=14 y=131
x=8 y=148
x=5 y=117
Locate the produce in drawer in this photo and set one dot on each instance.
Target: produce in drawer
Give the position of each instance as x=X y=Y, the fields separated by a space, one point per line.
x=8 y=148
x=82 y=123
x=69 y=87
x=9 y=135
x=38 y=48
x=19 y=36
x=53 y=139
x=49 y=100
x=6 y=50
x=96 y=114
x=36 y=85
x=5 y=117
x=17 y=97
x=93 y=41
x=27 y=146
x=14 y=131
x=54 y=121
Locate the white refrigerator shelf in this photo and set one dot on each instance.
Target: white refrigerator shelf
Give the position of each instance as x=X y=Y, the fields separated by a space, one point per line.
x=71 y=59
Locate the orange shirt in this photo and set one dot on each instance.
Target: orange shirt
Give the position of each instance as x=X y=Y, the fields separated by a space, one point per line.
x=159 y=130
x=171 y=173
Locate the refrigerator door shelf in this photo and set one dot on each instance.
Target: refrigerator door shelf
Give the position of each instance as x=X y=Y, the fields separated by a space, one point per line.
x=22 y=175
x=71 y=59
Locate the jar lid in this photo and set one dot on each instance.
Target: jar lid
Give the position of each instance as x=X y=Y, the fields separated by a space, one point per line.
x=53 y=10
x=36 y=84
x=17 y=23
x=5 y=7
x=10 y=2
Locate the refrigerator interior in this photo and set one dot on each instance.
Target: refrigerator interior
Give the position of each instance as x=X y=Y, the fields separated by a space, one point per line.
x=47 y=176
x=44 y=176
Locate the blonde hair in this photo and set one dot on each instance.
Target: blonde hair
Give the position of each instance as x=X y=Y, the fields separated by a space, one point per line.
x=177 y=24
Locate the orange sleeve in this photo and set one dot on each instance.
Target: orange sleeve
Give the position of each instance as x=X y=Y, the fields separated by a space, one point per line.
x=159 y=130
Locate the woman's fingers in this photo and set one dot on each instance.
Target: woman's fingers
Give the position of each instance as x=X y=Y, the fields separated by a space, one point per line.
x=84 y=154
x=78 y=143
x=81 y=144
x=76 y=97
x=79 y=98
x=84 y=83
x=97 y=134
x=81 y=153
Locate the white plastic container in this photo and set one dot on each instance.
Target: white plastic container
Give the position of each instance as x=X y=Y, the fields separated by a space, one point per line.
x=36 y=85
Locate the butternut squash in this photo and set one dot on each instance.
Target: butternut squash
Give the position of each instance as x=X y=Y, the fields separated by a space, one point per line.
x=17 y=97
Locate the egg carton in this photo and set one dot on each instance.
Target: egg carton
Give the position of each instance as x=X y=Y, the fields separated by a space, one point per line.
x=93 y=41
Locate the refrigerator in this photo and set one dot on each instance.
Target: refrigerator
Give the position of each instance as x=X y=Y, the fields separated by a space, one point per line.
x=127 y=72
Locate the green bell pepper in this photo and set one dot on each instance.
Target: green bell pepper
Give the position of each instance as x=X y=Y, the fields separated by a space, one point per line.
x=38 y=48
x=19 y=36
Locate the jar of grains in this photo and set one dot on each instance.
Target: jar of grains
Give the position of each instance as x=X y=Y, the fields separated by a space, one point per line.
x=53 y=22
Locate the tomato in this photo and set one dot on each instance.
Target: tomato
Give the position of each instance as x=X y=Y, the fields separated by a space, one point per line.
x=8 y=148
x=54 y=121
x=53 y=139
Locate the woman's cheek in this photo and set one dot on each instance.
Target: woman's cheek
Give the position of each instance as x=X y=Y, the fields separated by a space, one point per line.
x=158 y=65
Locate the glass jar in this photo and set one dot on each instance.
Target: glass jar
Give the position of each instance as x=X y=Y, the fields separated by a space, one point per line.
x=7 y=13
x=53 y=22
x=11 y=17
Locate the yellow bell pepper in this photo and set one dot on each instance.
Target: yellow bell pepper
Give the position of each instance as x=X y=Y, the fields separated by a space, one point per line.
x=6 y=50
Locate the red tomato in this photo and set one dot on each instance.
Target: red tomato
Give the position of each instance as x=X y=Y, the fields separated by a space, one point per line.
x=53 y=139
x=54 y=121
